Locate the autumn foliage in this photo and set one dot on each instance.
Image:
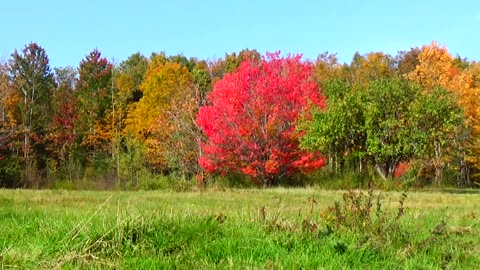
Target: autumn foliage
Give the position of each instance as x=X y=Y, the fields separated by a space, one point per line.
x=437 y=67
x=249 y=122
x=416 y=114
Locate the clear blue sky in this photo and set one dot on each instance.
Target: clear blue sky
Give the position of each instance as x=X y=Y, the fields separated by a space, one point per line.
x=69 y=30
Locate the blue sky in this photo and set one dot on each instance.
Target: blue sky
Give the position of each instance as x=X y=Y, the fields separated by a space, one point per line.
x=207 y=29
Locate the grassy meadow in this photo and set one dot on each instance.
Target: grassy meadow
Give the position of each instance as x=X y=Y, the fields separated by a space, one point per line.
x=275 y=228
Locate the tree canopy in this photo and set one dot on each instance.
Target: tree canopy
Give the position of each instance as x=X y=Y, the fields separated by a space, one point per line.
x=263 y=118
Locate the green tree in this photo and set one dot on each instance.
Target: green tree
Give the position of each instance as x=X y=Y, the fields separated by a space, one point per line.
x=386 y=111
x=182 y=60
x=202 y=79
x=128 y=77
x=32 y=78
x=95 y=95
x=337 y=131
x=363 y=124
x=436 y=120
x=220 y=67
x=390 y=121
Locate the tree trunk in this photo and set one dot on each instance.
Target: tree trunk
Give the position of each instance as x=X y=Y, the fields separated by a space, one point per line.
x=360 y=165
x=381 y=171
x=387 y=169
x=438 y=164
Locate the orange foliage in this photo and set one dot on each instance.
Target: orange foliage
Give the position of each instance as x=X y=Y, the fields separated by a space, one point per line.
x=437 y=68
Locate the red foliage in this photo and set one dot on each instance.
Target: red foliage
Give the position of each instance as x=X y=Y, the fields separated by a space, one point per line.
x=64 y=124
x=62 y=133
x=249 y=122
x=401 y=169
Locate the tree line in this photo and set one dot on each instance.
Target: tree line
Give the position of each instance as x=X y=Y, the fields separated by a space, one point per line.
x=260 y=117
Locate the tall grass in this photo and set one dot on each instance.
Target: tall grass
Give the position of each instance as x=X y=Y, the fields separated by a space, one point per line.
x=246 y=228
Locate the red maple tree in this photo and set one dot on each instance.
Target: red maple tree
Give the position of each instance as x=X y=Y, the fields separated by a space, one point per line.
x=249 y=121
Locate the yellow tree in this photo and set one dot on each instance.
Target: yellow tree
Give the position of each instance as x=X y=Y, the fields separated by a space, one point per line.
x=475 y=70
x=436 y=67
x=471 y=102
x=163 y=85
x=370 y=67
x=326 y=69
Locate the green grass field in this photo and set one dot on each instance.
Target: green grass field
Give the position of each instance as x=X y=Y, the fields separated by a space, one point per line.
x=238 y=229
